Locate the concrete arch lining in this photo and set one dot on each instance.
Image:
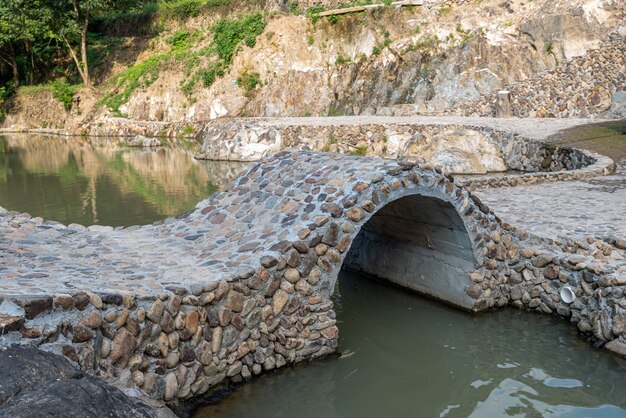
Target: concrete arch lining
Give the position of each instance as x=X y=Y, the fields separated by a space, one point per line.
x=418 y=242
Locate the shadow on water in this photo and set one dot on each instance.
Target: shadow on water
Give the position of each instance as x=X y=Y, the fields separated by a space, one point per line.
x=406 y=356
x=72 y=180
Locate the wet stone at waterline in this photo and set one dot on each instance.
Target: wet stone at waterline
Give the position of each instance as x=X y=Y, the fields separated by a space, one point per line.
x=405 y=356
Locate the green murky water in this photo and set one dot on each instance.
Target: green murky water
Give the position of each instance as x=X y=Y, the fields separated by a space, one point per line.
x=405 y=356
x=71 y=180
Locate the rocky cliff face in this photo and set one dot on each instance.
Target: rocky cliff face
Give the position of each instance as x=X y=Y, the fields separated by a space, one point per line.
x=391 y=61
x=409 y=60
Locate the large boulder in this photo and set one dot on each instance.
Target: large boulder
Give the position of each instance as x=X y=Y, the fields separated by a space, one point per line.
x=34 y=383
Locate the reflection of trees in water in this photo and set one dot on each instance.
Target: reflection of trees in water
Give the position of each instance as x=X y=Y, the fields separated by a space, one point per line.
x=168 y=179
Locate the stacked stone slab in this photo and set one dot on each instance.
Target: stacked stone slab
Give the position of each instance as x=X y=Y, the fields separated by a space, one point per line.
x=253 y=282
x=582 y=87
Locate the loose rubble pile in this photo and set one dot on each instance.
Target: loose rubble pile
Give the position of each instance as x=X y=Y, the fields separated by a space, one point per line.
x=583 y=87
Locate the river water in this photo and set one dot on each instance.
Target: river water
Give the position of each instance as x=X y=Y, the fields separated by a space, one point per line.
x=401 y=355
x=71 y=180
x=406 y=356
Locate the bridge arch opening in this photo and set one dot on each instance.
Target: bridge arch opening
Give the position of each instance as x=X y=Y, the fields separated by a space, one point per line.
x=418 y=242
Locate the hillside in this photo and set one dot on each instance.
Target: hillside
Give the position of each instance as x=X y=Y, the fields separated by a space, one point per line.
x=231 y=58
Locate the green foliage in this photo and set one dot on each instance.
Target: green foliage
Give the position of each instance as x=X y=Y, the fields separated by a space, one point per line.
x=294 y=8
x=361 y=151
x=210 y=74
x=342 y=59
x=184 y=9
x=186 y=130
x=428 y=44
x=248 y=81
x=387 y=2
x=311 y=40
x=312 y=13
x=188 y=86
x=549 y=47
x=376 y=50
x=179 y=39
x=443 y=10
x=228 y=33
x=64 y=92
x=334 y=111
x=141 y=75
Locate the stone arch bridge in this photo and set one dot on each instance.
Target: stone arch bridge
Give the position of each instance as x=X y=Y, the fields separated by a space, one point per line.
x=242 y=284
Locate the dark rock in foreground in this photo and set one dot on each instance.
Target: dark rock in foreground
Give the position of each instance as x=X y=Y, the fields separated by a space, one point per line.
x=35 y=383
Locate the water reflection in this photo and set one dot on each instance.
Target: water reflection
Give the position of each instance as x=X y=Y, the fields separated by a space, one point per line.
x=74 y=180
x=404 y=356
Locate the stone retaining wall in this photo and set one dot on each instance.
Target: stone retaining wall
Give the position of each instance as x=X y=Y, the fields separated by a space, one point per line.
x=583 y=87
x=297 y=220
x=468 y=149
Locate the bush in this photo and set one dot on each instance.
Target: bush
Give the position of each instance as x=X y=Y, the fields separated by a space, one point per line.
x=126 y=82
x=64 y=92
x=248 y=81
x=179 y=39
x=210 y=74
x=228 y=33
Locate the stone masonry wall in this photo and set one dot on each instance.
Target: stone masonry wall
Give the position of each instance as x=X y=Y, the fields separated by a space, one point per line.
x=582 y=87
x=535 y=161
x=296 y=219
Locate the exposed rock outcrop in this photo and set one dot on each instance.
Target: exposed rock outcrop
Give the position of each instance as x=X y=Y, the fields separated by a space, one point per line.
x=36 y=383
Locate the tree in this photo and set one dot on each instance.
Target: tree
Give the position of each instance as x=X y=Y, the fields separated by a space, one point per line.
x=21 y=23
x=70 y=21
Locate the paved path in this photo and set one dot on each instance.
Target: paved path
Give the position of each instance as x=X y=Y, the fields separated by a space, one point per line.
x=594 y=207
x=535 y=128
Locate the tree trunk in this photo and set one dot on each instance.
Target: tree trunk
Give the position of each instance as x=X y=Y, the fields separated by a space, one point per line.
x=31 y=74
x=83 y=51
x=16 y=70
x=78 y=63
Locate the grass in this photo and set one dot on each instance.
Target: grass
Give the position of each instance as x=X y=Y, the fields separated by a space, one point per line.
x=334 y=111
x=342 y=59
x=59 y=89
x=361 y=151
x=186 y=130
x=227 y=36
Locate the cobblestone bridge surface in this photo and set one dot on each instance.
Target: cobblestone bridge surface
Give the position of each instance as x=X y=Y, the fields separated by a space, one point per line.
x=242 y=284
